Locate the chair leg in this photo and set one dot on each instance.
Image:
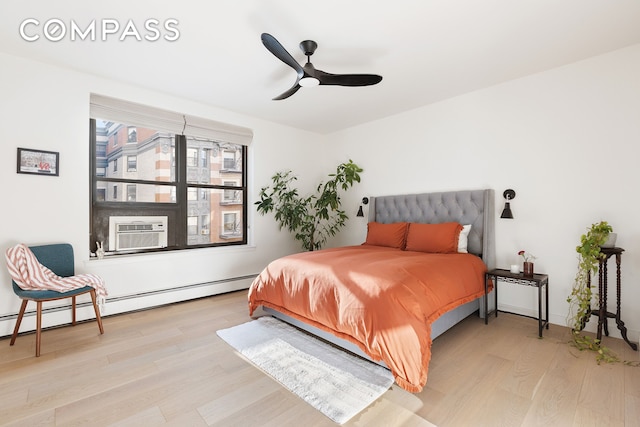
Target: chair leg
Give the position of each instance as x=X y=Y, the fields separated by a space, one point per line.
x=73 y=310
x=38 y=327
x=23 y=307
x=97 y=310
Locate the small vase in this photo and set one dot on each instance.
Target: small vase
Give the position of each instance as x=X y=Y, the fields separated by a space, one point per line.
x=527 y=269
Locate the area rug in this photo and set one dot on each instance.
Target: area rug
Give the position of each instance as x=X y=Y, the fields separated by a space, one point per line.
x=335 y=382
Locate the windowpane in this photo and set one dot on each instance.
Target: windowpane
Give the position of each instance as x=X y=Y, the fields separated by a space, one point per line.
x=133 y=134
x=192 y=157
x=134 y=153
x=135 y=174
x=204 y=157
x=127 y=192
x=218 y=162
x=192 y=225
x=131 y=192
x=132 y=163
x=219 y=217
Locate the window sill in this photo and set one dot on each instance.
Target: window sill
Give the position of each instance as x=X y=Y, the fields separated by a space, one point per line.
x=174 y=254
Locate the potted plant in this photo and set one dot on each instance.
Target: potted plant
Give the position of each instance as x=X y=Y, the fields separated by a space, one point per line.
x=580 y=300
x=313 y=219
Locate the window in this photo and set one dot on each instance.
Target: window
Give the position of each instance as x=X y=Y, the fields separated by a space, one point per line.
x=192 y=225
x=231 y=225
x=198 y=181
x=132 y=134
x=204 y=157
x=132 y=163
x=231 y=196
x=192 y=157
x=131 y=192
x=230 y=160
x=205 y=221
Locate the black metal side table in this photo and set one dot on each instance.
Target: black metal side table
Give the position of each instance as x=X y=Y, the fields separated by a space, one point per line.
x=537 y=280
x=601 y=312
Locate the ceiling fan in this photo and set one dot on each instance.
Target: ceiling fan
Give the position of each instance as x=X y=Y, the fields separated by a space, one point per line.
x=308 y=75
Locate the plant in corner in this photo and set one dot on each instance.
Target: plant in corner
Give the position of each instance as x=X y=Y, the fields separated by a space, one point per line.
x=314 y=218
x=580 y=300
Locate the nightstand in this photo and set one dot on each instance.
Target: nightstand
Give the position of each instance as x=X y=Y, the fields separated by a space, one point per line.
x=537 y=280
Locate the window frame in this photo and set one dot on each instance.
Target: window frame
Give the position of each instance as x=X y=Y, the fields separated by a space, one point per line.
x=177 y=212
x=132 y=134
x=132 y=163
x=132 y=193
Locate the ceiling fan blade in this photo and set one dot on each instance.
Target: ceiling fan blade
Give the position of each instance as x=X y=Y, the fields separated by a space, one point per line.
x=308 y=75
x=347 y=79
x=280 y=52
x=288 y=93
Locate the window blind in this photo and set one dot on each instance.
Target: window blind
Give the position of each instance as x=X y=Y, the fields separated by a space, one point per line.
x=131 y=113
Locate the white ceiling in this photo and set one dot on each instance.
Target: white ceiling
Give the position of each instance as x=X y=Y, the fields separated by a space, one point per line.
x=426 y=50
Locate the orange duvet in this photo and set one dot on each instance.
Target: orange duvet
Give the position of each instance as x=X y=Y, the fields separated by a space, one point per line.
x=382 y=299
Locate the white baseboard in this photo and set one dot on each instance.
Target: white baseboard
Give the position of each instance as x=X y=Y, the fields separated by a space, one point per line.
x=61 y=314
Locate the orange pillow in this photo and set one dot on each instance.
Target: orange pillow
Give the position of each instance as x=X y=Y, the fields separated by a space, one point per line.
x=393 y=235
x=433 y=238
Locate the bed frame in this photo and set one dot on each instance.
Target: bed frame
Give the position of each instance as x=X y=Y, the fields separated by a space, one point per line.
x=475 y=207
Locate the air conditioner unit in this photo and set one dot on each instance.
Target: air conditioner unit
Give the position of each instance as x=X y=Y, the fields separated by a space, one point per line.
x=137 y=232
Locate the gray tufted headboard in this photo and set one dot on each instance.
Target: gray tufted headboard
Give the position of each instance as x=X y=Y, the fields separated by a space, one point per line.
x=473 y=207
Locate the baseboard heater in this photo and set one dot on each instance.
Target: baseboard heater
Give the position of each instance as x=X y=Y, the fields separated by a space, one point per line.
x=179 y=288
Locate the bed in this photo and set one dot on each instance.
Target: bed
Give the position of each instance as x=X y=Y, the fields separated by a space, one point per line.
x=387 y=299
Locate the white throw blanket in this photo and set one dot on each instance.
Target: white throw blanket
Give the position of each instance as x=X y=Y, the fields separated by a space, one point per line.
x=30 y=275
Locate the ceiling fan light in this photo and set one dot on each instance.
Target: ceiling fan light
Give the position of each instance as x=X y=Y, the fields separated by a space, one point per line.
x=309 y=82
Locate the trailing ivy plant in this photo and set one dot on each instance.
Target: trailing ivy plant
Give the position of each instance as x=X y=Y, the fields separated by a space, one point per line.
x=314 y=218
x=589 y=257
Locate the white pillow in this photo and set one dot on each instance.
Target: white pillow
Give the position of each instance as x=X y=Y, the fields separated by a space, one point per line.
x=464 y=239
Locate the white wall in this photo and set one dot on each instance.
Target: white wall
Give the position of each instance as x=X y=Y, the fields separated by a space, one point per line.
x=46 y=107
x=567 y=141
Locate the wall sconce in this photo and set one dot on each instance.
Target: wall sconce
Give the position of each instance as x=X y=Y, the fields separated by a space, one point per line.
x=508 y=195
x=365 y=201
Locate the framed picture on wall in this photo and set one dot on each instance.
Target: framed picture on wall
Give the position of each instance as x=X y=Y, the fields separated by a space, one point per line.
x=38 y=162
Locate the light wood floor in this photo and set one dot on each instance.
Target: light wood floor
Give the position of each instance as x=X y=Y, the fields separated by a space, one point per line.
x=167 y=366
